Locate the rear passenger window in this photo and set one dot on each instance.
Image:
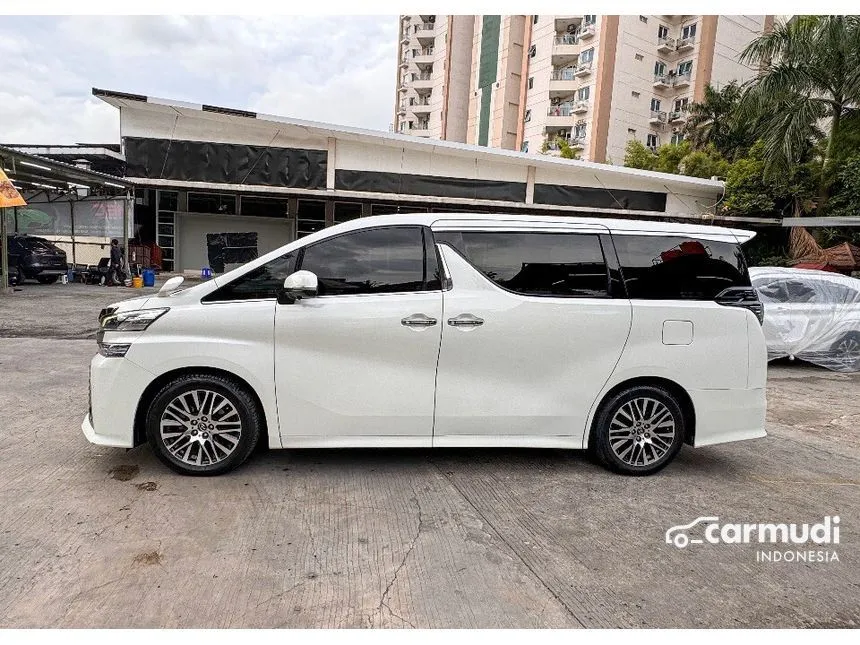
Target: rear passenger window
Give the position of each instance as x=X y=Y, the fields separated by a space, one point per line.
x=679 y=268
x=536 y=264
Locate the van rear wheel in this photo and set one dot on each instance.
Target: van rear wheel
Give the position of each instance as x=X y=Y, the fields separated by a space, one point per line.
x=203 y=424
x=639 y=430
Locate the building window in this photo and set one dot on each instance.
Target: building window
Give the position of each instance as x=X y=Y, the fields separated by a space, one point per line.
x=310 y=216
x=587 y=56
x=651 y=141
x=662 y=32
x=634 y=94
x=659 y=68
x=590 y=20
x=677 y=137
x=579 y=130
x=643 y=19
x=655 y=105
x=532 y=51
x=639 y=57
x=345 y=211
x=681 y=104
x=689 y=31
x=685 y=68
x=528 y=116
x=531 y=82
x=534 y=20
x=253 y=206
x=524 y=147
x=583 y=93
x=211 y=203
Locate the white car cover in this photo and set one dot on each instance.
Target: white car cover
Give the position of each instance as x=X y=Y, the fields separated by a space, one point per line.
x=810 y=315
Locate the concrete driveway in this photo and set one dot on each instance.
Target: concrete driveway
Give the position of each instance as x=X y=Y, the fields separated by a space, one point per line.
x=93 y=537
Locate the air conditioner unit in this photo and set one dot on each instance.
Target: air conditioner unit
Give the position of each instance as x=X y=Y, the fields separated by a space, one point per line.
x=571 y=29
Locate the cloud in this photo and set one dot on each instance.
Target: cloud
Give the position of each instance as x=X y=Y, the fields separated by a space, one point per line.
x=334 y=68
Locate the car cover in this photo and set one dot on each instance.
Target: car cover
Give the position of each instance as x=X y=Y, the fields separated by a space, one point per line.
x=810 y=315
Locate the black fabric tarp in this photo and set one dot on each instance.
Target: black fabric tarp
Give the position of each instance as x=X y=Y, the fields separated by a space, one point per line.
x=639 y=200
x=225 y=163
x=406 y=184
x=230 y=248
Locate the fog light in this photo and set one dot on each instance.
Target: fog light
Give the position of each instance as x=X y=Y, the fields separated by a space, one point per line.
x=113 y=350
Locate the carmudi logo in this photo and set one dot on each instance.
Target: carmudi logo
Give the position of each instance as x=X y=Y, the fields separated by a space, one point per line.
x=709 y=530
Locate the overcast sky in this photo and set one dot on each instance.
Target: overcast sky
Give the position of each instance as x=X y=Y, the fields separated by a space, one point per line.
x=333 y=69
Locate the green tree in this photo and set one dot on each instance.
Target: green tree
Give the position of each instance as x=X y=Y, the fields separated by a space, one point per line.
x=809 y=72
x=715 y=121
x=636 y=155
x=704 y=163
x=846 y=199
x=669 y=157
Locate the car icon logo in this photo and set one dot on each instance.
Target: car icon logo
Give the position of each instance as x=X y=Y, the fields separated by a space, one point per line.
x=678 y=536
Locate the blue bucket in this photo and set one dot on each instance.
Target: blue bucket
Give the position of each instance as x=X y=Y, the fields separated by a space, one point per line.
x=205 y=273
x=148 y=278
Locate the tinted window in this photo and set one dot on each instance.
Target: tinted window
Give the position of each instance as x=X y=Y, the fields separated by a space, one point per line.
x=536 y=264
x=262 y=282
x=381 y=260
x=678 y=268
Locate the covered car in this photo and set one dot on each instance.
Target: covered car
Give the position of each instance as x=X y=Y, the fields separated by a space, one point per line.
x=810 y=315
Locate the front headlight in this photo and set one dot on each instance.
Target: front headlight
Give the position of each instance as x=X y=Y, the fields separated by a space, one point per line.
x=132 y=320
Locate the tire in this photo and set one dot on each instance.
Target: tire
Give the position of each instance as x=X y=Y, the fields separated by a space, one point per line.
x=48 y=279
x=189 y=439
x=640 y=450
x=846 y=352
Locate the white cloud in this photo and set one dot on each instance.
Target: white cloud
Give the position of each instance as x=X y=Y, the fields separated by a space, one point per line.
x=337 y=69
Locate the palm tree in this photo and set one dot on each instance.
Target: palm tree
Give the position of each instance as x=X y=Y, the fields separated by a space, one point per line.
x=714 y=120
x=809 y=74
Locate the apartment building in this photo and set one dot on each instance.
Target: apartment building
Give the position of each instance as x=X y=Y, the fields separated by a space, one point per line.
x=590 y=83
x=434 y=62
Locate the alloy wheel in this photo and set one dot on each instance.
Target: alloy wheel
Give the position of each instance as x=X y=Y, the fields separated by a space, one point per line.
x=641 y=431
x=200 y=427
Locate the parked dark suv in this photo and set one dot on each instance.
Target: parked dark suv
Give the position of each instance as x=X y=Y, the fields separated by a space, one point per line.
x=35 y=257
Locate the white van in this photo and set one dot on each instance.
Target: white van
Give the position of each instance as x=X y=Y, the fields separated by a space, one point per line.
x=628 y=338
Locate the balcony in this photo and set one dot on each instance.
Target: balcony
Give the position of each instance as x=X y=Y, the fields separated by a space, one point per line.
x=420 y=106
x=677 y=117
x=662 y=81
x=686 y=44
x=658 y=117
x=580 y=107
x=666 y=45
x=562 y=82
x=682 y=80
x=583 y=70
x=567 y=23
x=423 y=56
x=419 y=130
x=422 y=81
x=587 y=32
x=560 y=116
x=565 y=49
x=425 y=31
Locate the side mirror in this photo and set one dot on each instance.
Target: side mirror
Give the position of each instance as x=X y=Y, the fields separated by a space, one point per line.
x=298 y=285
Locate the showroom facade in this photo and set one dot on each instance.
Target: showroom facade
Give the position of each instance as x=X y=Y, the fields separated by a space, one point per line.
x=216 y=187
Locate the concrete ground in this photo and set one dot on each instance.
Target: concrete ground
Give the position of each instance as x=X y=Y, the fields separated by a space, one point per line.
x=95 y=537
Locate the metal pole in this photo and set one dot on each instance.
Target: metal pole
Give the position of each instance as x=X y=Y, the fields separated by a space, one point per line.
x=125 y=208
x=5 y=248
x=72 y=220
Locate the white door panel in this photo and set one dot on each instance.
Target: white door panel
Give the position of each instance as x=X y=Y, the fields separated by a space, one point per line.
x=348 y=366
x=532 y=368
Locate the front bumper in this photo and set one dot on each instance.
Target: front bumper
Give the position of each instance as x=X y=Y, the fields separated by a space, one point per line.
x=116 y=387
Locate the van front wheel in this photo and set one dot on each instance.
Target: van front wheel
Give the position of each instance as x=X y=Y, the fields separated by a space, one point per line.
x=203 y=424
x=639 y=430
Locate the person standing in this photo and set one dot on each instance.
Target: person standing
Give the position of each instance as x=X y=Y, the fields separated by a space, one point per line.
x=116 y=273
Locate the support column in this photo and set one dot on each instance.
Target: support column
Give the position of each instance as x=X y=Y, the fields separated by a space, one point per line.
x=530 y=185
x=331 y=163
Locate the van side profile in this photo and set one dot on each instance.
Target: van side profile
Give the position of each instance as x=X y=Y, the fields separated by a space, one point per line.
x=623 y=337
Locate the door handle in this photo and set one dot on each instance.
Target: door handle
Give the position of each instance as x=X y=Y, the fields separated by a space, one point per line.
x=466 y=320
x=418 y=320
